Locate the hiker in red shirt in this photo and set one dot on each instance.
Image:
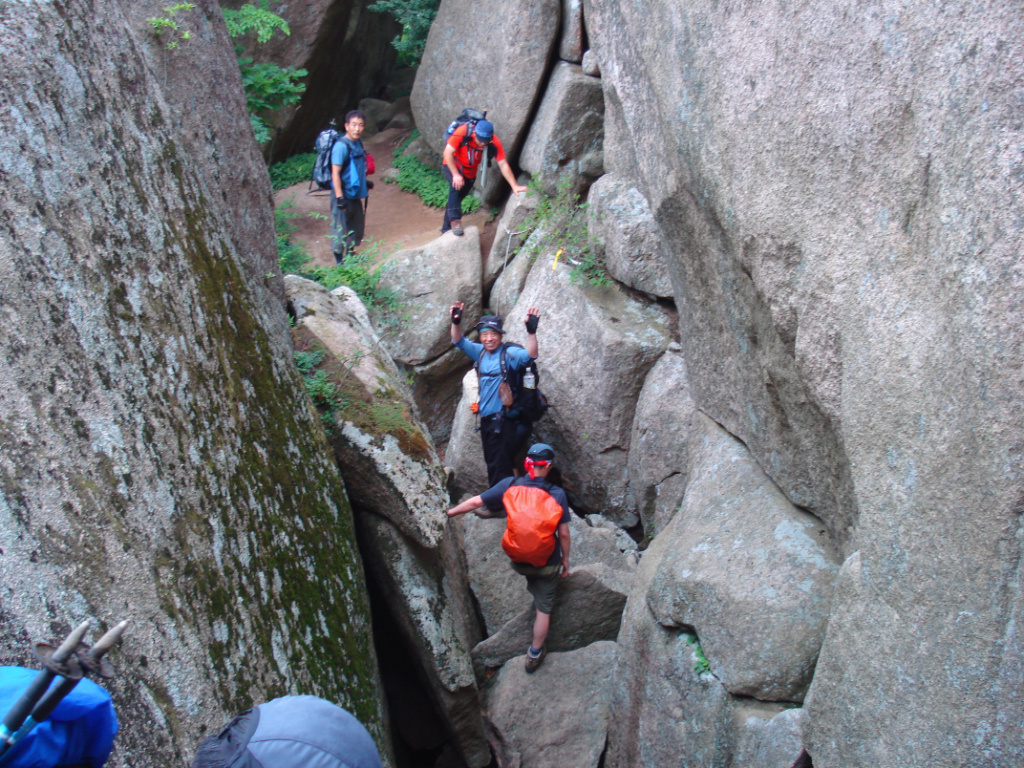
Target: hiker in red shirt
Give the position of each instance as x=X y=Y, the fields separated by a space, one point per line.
x=536 y=535
x=462 y=156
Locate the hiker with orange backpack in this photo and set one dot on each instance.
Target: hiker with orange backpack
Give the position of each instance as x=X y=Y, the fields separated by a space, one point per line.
x=463 y=152
x=502 y=435
x=536 y=535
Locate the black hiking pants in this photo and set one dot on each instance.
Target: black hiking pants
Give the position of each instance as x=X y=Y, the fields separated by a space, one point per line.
x=503 y=440
x=453 y=211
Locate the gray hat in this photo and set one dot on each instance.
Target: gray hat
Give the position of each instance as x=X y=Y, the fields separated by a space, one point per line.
x=290 y=732
x=490 y=323
x=541 y=452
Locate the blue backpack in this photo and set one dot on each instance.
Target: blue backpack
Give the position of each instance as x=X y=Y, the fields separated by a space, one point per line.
x=81 y=729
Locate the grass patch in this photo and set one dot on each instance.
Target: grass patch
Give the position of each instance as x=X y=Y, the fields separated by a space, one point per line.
x=294 y=170
x=428 y=183
x=563 y=220
x=362 y=273
x=291 y=255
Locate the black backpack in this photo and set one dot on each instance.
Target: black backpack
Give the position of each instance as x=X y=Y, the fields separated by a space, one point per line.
x=468 y=117
x=528 y=403
x=324 y=147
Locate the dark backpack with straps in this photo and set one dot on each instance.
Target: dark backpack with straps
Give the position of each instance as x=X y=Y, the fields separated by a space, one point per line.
x=324 y=146
x=528 y=403
x=469 y=117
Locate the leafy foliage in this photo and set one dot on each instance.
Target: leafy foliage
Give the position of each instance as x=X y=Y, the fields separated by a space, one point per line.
x=701 y=665
x=295 y=170
x=268 y=86
x=359 y=271
x=428 y=183
x=562 y=221
x=291 y=255
x=415 y=16
x=256 y=18
x=405 y=144
x=168 y=24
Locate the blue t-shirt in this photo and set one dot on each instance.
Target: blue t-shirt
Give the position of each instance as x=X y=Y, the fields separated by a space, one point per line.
x=490 y=370
x=353 y=177
x=492 y=499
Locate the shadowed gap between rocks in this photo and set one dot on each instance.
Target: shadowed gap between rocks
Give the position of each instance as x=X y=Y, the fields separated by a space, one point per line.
x=420 y=736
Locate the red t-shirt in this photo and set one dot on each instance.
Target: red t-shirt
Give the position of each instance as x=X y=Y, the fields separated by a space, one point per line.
x=468 y=156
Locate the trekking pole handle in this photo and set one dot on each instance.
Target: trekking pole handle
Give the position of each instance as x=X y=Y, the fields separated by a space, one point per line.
x=55 y=664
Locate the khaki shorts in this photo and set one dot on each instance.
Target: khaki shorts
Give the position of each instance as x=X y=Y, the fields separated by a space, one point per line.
x=541 y=582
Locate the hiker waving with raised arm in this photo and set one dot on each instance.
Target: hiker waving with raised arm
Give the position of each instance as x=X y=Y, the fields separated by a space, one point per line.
x=463 y=152
x=536 y=535
x=504 y=429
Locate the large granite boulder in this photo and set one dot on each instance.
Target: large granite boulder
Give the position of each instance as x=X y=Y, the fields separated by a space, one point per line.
x=626 y=235
x=570 y=47
x=427 y=281
x=588 y=608
x=425 y=591
x=658 y=456
x=501 y=593
x=386 y=455
x=508 y=237
x=663 y=702
x=210 y=115
x=501 y=71
x=597 y=344
x=557 y=716
x=770 y=739
x=565 y=142
x=161 y=461
x=397 y=486
x=840 y=199
x=465 y=452
x=750 y=573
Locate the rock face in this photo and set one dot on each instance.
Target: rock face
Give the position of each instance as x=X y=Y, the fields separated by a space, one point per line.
x=558 y=716
x=428 y=281
x=749 y=573
x=627 y=236
x=840 y=194
x=564 y=145
x=597 y=345
x=161 y=462
x=396 y=483
x=658 y=447
x=512 y=43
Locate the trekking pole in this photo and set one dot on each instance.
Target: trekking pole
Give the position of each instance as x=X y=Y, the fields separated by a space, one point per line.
x=57 y=662
x=89 y=658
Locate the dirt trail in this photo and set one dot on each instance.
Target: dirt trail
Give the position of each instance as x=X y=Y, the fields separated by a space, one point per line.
x=394 y=218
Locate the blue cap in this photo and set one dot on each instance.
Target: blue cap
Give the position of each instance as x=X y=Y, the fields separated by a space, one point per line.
x=484 y=130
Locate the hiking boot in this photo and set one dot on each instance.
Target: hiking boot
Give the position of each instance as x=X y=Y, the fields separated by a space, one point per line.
x=532 y=662
x=457 y=229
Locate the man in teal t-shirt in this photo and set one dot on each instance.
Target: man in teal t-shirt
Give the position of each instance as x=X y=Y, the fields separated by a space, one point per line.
x=349 y=187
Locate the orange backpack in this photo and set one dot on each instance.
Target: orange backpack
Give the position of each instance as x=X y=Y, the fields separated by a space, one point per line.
x=533 y=516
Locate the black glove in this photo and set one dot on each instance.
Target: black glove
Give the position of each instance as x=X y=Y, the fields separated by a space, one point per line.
x=531 y=324
x=456 y=316
x=369 y=184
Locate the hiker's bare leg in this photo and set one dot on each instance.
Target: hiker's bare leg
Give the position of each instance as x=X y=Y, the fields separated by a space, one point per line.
x=540 y=629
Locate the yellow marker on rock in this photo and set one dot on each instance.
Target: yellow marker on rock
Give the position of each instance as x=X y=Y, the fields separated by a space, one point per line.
x=555 y=262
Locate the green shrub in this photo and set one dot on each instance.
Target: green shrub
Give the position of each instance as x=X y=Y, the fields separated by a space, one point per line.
x=268 y=86
x=359 y=272
x=428 y=183
x=563 y=221
x=291 y=256
x=415 y=16
x=295 y=170
x=701 y=665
